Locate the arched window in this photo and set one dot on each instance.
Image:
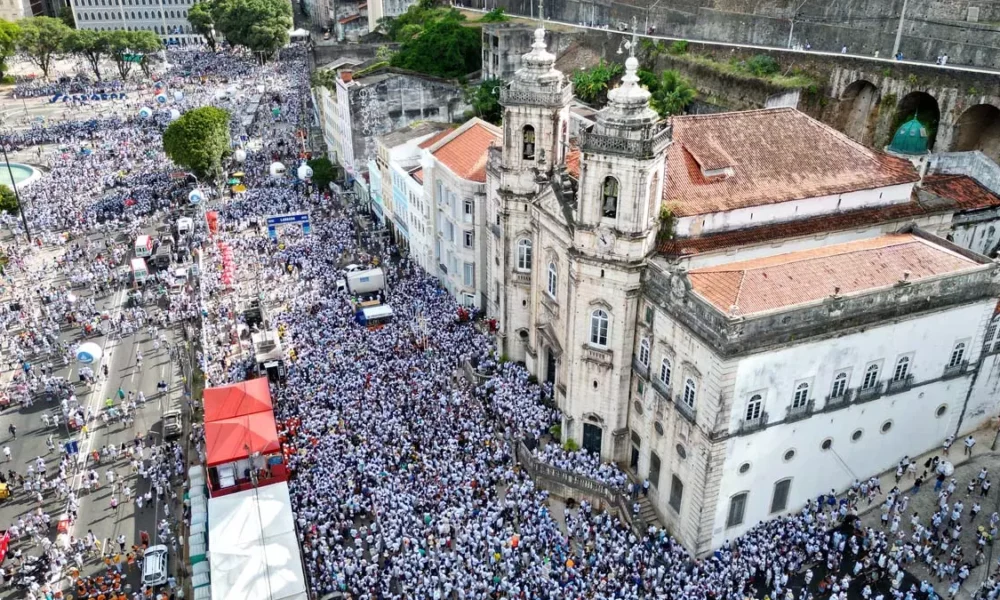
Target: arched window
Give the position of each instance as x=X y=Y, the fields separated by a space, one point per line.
x=902 y=368
x=654 y=197
x=801 y=396
x=665 y=371
x=755 y=407
x=553 y=279
x=609 y=193
x=528 y=142
x=990 y=340
x=690 y=392
x=871 y=377
x=644 y=351
x=524 y=255
x=839 y=385
x=957 y=355
x=599 y=322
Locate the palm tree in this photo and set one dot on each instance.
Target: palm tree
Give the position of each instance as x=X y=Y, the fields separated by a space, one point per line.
x=672 y=94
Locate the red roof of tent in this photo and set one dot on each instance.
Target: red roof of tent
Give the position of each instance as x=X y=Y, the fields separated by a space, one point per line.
x=227 y=439
x=243 y=398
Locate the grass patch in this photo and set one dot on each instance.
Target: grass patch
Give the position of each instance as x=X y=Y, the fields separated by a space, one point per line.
x=736 y=68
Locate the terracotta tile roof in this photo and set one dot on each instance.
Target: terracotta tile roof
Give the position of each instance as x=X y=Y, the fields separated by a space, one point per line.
x=418 y=175
x=771 y=155
x=573 y=162
x=768 y=233
x=349 y=19
x=435 y=138
x=964 y=190
x=465 y=154
x=794 y=278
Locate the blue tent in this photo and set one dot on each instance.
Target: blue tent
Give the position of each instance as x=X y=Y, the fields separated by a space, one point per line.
x=54 y=98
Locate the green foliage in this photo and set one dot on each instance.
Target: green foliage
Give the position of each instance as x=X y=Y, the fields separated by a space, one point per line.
x=384 y=54
x=436 y=41
x=671 y=94
x=66 y=16
x=485 y=100
x=42 y=39
x=591 y=85
x=323 y=172
x=679 y=47
x=556 y=431
x=497 y=15
x=326 y=78
x=912 y=79
x=91 y=45
x=259 y=25
x=668 y=222
x=198 y=140
x=10 y=33
x=761 y=65
x=8 y=201
x=200 y=18
x=8 y=80
x=371 y=68
x=127 y=48
x=571 y=445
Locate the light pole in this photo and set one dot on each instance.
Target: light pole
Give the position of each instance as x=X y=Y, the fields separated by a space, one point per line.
x=20 y=208
x=791 y=29
x=647 y=15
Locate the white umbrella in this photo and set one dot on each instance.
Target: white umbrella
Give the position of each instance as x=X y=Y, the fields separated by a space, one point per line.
x=240 y=155
x=88 y=353
x=277 y=169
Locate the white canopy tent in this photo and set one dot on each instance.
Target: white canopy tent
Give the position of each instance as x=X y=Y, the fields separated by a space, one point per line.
x=253 y=549
x=298 y=33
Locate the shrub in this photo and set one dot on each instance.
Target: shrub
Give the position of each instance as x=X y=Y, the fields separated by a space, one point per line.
x=679 y=47
x=761 y=65
x=571 y=445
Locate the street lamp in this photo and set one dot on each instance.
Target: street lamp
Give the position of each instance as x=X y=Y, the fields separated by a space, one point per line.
x=20 y=208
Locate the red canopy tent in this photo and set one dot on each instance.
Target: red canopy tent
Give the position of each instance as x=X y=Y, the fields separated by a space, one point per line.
x=238 y=399
x=236 y=438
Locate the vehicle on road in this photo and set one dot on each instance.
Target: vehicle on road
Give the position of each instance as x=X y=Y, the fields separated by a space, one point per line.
x=140 y=272
x=143 y=246
x=366 y=282
x=154 y=566
x=172 y=424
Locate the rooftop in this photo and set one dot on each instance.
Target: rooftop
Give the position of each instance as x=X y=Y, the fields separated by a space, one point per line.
x=414 y=130
x=466 y=151
x=795 y=278
x=964 y=191
x=725 y=161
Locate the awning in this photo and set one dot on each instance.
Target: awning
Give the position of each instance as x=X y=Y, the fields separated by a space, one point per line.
x=236 y=400
x=229 y=440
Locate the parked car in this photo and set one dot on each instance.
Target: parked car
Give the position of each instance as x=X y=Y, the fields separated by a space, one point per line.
x=172 y=424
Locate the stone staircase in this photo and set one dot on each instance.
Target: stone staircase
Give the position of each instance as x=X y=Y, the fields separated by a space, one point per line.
x=647 y=512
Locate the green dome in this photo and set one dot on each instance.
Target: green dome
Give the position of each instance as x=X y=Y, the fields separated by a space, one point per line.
x=910 y=138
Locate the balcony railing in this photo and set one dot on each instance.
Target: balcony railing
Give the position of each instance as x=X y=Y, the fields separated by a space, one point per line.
x=840 y=401
x=688 y=412
x=902 y=384
x=598 y=355
x=641 y=148
x=752 y=425
x=509 y=95
x=871 y=393
x=641 y=369
x=521 y=278
x=797 y=413
x=955 y=370
x=660 y=387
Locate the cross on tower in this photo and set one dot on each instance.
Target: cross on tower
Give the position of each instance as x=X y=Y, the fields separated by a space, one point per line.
x=541 y=13
x=635 y=36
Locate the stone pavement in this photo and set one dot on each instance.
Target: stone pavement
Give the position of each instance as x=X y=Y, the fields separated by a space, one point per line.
x=925 y=504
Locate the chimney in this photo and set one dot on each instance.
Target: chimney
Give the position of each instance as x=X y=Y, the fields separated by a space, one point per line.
x=906 y=275
x=346 y=75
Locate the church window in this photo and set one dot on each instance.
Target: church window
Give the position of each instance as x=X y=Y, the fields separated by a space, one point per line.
x=902 y=369
x=801 y=396
x=754 y=408
x=528 y=142
x=665 y=371
x=609 y=205
x=524 y=255
x=957 y=354
x=644 y=351
x=839 y=385
x=690 y=391
x=871 y=377
x=990 y=342
x=553 y=279
x=599 y=322
x=654 y=198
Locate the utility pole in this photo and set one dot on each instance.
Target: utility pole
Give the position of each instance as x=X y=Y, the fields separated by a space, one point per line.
x=899 y=30
x=647 y=15
x=20 y=207
x=791 y=29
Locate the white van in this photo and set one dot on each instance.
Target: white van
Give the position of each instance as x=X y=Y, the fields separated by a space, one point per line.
x=154 y=566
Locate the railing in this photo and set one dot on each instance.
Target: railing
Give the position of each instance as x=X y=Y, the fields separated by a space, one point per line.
x=521 y=278
x=872 y=393
x=840 y=401
x=660 y=387
x=902 y=384
x=686 y=411
x=509 y=95
x=797 y=413
x=641 y=369
x=597 y=355
x=752 y=425
x=641 y=148
x=473 y=376
x=955 y=370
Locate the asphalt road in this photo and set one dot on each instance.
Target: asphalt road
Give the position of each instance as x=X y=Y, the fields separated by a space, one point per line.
x=95 y=513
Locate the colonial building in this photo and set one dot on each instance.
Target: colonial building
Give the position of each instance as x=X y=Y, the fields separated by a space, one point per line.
x=166 y=18
x=748 y=309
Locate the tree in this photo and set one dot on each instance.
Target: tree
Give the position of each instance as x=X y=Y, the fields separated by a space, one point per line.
x=323 y=172
x=8 y=201
x=147 y=44
x=591 y=85
x=42 y=39
x=66 y=16
x=198 y=141
x=672 y=94
x=437 y=42
x=129 y=48
x=200 y=18
x=91 y=45
x=497 y=15
x=10 y=33
x=259 y=25
x=485 y=100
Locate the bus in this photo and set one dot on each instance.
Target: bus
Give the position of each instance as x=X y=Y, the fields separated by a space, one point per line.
x=374 y=317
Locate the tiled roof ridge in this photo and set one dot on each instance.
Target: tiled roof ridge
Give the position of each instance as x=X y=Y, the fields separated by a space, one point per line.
x=883 y=241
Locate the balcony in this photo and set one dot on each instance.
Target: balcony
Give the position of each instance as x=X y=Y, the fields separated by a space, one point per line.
x=641 y=369
x=956 y=370
x=521 y=278
x=835 y=402
x=443 y=268
x=495 y=229
x=752 y=425
x=872 y=393
x=686 y=411
x=660 y=387
x=797 y=413
x=509 y=96
x=600 y=356
x=899 y=385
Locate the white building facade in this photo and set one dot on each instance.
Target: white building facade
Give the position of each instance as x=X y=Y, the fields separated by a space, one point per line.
x=748 y=309
x=166 y=18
